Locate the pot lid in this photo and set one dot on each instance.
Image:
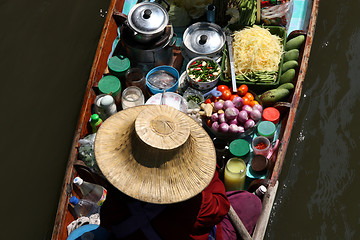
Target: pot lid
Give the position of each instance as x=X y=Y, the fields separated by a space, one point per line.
x=148 y=18
x=204 y=38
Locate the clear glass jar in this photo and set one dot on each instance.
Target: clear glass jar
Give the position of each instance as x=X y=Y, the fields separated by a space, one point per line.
x=131 y=97
x=234 y=175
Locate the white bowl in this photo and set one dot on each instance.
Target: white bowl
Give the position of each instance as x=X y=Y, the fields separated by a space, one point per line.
x=171 y=99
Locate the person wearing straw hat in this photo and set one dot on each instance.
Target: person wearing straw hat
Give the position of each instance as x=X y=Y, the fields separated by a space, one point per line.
x=164 y=165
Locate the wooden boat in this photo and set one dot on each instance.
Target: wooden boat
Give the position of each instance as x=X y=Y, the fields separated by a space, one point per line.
x=76 y=167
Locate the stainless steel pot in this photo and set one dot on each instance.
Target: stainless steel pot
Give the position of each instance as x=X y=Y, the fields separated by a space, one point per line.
x=147 y=21
x=203 y=39
x=148 y=56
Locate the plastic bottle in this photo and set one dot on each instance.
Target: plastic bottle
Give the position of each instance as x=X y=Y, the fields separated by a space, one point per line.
x=90 y=191
x=105 y=106
x=260 y=191
x=83 y=207
x=95 y=122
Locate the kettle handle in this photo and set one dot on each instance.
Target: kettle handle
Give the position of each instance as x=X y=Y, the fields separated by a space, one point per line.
x=160 y=1
x=119 y=17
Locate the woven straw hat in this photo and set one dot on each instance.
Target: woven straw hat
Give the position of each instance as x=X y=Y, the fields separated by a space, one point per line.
x=155 y=153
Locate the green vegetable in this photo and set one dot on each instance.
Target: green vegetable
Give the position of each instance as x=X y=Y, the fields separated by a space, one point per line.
x=196 y=99
x=203 y=70
x=288 y=76
x=288 y=65
x=259 y=76
x=272 y=96
x=294 y=43
x=291 y=55
x=288 y=86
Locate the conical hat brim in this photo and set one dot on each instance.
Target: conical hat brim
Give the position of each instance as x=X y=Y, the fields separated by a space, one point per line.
x=150 y=174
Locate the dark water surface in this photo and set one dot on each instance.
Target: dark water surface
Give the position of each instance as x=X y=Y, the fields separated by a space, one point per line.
x=47 y=48
x=318 y=193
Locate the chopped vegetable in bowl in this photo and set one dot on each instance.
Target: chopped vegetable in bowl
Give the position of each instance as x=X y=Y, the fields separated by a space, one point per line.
x=203 y=70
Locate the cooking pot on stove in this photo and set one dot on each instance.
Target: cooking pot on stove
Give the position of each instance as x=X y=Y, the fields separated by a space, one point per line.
x=152 y=54
x=146 y=20
x=203 y=39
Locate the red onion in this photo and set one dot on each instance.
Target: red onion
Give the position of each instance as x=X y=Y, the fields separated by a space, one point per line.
x=215 y=117
x=231 y=113
x=218 y=106
x=222 y=118
x=234 y=121
x=228 y=104
x=255 y=115
x=224 y=127
x=249 y=124
x=241 y=129
x=258 y=107
x=215 y=126
x=243 y=116
x=238 y=102
x=247 y=108
x=233 y=128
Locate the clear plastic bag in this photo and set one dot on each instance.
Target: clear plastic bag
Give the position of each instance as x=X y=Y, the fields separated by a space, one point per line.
x=278 y=15
x=86 y=151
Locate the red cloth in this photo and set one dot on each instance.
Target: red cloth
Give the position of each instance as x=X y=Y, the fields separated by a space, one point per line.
x=191 y=219
x=248 y=207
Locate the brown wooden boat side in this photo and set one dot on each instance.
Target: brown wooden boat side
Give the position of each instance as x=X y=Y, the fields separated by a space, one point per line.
x=63 y=216
x=297 y=94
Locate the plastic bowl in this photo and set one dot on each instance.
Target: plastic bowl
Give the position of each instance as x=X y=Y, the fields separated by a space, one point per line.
x=168 y=70
x=202 y=85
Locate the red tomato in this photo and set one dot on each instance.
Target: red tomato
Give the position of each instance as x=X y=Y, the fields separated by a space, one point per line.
x=249 y=96
x=252 y=103
x=233 y=96
x=214 y=99
x=246 y=101
x=242 y=90
x=208 y=100
x=226 y=95
x=221 y=88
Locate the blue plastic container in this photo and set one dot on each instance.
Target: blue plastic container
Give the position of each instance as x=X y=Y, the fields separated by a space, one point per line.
x=167 y=69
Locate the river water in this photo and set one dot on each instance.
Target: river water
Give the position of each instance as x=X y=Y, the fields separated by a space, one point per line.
x=47 y=48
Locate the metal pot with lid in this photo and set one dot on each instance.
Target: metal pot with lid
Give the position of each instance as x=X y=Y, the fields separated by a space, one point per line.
x=203 y=39
x=147 y=21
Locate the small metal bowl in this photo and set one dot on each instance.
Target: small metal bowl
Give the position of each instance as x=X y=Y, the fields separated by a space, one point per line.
x=202 y=86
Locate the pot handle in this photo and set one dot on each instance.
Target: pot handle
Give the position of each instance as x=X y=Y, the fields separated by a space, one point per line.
x=166 y=3
x=174 y=40
x=119 y=17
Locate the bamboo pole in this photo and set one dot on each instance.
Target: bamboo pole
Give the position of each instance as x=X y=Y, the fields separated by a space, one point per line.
x=238 y=224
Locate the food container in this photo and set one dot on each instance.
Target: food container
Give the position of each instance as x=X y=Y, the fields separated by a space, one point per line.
x=146 y=20
x=232 y=136
x=204 y=84
x=203 y=39
x=132 y=97
x=149 y=55
x=260 y=145
x=162 y=78
x=169 y=98
x=234 y=174
x=258 y=87
x=266 y=129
